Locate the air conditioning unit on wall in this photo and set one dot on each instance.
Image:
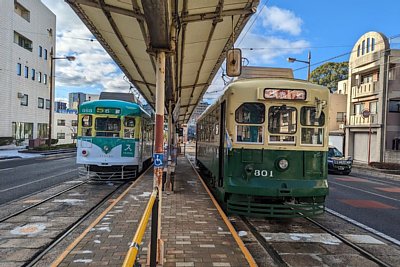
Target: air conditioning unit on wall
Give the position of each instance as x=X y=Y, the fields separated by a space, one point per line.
x=20 y=95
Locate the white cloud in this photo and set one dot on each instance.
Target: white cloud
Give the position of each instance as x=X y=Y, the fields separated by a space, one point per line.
x=283 y=20
x=93 y=70
x=266 y=49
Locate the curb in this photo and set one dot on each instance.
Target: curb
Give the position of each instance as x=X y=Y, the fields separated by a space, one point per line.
x=374 y=172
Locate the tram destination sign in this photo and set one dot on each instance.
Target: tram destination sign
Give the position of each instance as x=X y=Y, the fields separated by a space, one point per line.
x=115 y=111
x=285 y=94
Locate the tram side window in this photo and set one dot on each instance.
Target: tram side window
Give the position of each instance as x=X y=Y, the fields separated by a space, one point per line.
x=246 y=114
x=312 y=135
x=308 y=117
x=249 y=133
x=129 y=130
x=250 y=113
x=87 y=125
x=108 y=127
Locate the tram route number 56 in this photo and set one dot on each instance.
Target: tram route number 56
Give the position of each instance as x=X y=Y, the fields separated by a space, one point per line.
x=263 y=173
x=158 y=160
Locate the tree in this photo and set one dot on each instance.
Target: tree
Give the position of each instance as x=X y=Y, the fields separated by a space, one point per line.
x=329 y=74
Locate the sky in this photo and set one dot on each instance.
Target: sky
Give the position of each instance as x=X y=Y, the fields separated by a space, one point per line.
x=280 y=29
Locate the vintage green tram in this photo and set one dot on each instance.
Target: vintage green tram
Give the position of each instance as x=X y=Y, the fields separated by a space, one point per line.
x=263 y=146
x=115 y=139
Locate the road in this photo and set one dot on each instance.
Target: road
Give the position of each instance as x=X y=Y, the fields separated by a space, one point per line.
x=374 y=202
x=22 y=177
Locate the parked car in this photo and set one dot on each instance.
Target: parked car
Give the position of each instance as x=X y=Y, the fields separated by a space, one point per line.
x=337 y=162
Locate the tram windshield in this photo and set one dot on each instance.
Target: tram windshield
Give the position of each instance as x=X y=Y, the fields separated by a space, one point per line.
x=282 y=120
x=108 y=127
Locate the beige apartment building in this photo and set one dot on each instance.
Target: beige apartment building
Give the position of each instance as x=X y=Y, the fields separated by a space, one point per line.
x=372 y=127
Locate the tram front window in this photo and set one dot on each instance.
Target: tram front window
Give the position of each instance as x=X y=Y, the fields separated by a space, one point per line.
x=108 y=127
x=129 y=129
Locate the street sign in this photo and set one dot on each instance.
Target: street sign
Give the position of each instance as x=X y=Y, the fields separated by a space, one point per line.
x=366 y=113
x=158 y=160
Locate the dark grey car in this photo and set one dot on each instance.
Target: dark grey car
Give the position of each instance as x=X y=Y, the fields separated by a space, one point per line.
x=337 y=162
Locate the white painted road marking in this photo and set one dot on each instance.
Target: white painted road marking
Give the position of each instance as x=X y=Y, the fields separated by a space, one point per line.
x=21 y=185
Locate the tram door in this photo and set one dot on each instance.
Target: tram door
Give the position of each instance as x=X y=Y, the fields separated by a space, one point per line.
x=221 y=145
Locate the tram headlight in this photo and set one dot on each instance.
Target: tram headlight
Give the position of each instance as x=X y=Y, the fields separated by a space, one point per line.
x=283 y=164
x=85 y=153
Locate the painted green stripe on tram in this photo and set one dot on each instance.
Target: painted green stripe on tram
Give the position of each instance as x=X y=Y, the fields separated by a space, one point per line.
x=108 y=144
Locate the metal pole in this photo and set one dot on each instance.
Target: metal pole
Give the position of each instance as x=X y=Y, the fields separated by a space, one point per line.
x=369 y=141
x=51 y=98
x=168 y=186
x=309 y=66
x=154 y=229
x=159 y=132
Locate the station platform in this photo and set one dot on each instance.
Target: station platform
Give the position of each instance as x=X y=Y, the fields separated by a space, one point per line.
x=193 y=230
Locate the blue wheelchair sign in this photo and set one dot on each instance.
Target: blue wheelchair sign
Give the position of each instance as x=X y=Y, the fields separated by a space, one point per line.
x=158 y=160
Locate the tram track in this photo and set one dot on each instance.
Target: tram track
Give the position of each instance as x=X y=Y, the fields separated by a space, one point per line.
x=281 y=257
x=53 y=219
x=38 y=256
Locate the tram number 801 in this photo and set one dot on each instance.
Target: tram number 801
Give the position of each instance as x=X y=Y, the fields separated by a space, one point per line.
x=263 y=173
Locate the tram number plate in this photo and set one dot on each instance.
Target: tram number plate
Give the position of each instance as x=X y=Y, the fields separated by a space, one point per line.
x=263 y=173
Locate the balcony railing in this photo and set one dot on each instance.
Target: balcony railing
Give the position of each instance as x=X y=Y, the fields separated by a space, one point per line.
x=360 y=120
x=365 y=89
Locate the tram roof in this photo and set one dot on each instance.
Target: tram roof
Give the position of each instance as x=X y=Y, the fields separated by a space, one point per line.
x=126 y=108
x=195 y=34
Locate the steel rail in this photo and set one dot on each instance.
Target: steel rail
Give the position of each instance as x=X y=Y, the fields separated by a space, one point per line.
x=35 y=258
x=362 y=251
x=41 y=202
x=130 y=257
x=261 y=240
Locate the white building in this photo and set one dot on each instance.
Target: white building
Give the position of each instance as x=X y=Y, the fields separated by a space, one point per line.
x=27 y=35
x=65 y=126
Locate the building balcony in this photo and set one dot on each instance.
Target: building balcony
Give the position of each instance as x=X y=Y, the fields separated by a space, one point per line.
x=365 y=89
x=360 y=120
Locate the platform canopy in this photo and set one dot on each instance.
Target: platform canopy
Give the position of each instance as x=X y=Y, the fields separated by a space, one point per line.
x=195 y=34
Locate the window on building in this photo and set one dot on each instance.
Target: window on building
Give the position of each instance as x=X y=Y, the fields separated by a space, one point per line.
x=61 y=122
x=22 y=11
x=33 y=72
x=40 y=102
x=373 y=107
x=24 y=100
x=340 y=116
x=43 y=130
x=74 y=135
x=372 y=44
x=40 y=51
x=45 y=54
x=74 y=123
x=358 y=50
x=358 y=108
x=392 y=74
x=22 y=130
x=363 y=47
x=39 y=78
x=26 y=71
x=22 y=41
x=45 y=78
x=60 y=135
x=47 y=104
x=19 y=69
x=394 y=106
x=368 y=45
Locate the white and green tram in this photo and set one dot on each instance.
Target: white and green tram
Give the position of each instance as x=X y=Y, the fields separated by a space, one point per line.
x=114 y=139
